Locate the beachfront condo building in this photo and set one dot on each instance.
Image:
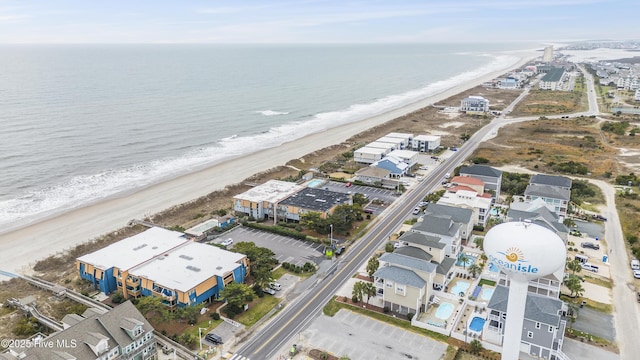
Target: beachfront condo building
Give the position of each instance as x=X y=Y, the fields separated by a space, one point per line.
x=406 y=138
x=552 y=80
x=547 y=56
x=260 y=202
x=398 y=143
x=163 y=263
x=474 y=105
x=425 y=143
x=309 y=200
x=368 y=155
x=117 y=334
x=387 y=147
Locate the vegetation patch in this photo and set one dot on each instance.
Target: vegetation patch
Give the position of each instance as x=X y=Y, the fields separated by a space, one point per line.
x=258 y=310
x=543 y=102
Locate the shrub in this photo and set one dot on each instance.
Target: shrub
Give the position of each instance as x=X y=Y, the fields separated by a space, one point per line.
x=258 y=290
x=117 y=298
x=410 y=316
x=388 y=247
x=215 y=316
x=386 y=309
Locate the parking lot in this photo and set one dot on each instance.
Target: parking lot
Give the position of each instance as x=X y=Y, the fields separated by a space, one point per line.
x=363 y=338
x=287 y=249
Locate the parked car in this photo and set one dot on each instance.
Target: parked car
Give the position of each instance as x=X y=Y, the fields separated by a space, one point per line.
x=636 y=274
x=269 y=291
x=348 y=184
x=275 y=286
x=590 y=267
x=590 y=245
x=416 y=211
x=227 y=242
x=216 y=339
x=340 y=250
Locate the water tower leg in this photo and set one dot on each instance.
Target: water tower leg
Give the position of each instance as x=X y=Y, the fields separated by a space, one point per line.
x=515 y=319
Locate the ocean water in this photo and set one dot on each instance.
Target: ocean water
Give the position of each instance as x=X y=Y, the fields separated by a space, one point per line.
x=83 y=123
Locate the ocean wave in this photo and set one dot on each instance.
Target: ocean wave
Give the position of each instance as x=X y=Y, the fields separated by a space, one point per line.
x=85 y=189
x=272 y=112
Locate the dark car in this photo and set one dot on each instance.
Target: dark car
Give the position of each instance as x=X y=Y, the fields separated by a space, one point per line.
x=340 y=250
x=216 y=339
x=590 y=245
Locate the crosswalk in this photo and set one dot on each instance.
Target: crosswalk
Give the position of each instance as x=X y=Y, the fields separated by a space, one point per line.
x=238 y=357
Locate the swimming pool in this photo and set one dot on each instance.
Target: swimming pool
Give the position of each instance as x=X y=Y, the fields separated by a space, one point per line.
x=315 y=183
x=470 y=260
x=444 y=311
x=486 y=294
x=460 y=287
x=477 y=323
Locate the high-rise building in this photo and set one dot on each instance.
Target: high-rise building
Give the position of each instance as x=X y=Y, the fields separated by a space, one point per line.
x=548 y=53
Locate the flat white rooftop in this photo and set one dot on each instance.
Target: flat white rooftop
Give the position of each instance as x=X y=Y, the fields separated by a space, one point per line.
x=392 y=140
x=184 y=268
x=399 y=135
x=427 y=137
x=381 y=145
x=272 y=191
x=403 y=154
x=134 y=250
x=370 y=150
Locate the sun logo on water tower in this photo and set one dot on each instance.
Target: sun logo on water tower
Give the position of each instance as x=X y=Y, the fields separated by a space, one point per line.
x=513 y=254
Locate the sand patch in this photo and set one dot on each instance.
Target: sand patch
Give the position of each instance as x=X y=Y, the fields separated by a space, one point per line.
x=436 y=132
x=455 y=124
x=628 y=152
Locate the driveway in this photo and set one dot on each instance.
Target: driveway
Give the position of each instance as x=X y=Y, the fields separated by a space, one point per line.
x=287 y=249
x=362 y=338
x=577 y=350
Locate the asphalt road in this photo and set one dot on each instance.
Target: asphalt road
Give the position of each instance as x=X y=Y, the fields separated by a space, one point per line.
x=299 y=313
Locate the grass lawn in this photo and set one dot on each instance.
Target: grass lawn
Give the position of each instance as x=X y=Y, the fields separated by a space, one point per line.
x=257 y=311
x=598 y=281
x=205 y=324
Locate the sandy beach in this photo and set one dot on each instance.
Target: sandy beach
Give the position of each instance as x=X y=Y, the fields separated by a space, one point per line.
x=23 y=247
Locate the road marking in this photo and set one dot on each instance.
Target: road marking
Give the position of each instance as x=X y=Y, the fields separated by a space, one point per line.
x=238 y=357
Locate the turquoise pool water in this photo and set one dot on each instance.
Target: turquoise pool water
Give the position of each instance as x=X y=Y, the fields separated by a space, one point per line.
x=444 y=311
x=315 y=183
x=486 y=294
x=476 y=324
x=493 y=268
x=470 y=260
x=460 y=287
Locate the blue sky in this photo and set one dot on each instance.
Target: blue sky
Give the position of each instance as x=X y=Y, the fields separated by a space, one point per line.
x=191 y=21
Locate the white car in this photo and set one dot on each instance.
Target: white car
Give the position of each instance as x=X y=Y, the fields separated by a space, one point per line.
x=275 y=286
x=636 y=274
x=269 y=291
x=227 y=242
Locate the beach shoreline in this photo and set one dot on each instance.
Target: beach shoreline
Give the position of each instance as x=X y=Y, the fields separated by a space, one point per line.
x=32 y=242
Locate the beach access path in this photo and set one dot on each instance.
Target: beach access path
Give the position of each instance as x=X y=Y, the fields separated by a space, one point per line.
x=21 y=248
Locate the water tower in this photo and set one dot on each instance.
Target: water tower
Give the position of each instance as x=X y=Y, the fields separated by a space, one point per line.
x=524 y=251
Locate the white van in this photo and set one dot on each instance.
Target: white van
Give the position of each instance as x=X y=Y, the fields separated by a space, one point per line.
x=582 y=258
x=635 y=264
x=590 y=267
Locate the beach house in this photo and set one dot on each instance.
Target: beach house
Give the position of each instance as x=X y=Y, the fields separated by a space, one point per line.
x=163 y=263
x=467 y=198
x=543 y=328
x=372 y=175
x=442 y=227
x=474 y=105
x=119 y=333
x=396 y=167
x=260 y=202
x=556 y=198
x=406 y=156
x=459 y=215
x=491 y=177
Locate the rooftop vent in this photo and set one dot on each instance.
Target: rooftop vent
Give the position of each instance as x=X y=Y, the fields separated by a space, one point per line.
x=193 y=268
x=186 y=257
x=139 y=247
x=218 y=267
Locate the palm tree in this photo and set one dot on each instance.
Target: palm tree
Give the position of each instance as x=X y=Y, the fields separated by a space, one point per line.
x=358 y=291
x=369 y=290
x=464 y=260
x=474 y=269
